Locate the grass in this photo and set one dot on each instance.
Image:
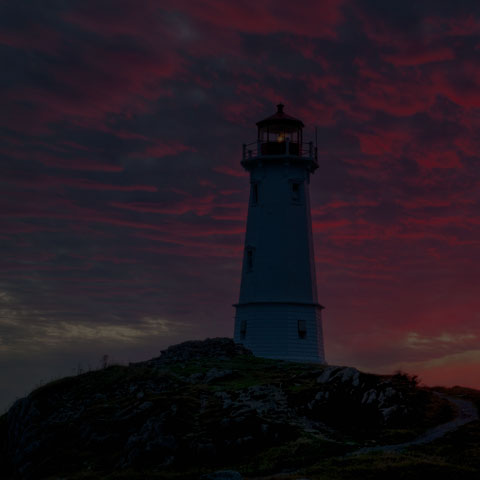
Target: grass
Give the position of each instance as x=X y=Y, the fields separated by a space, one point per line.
x=385 y=466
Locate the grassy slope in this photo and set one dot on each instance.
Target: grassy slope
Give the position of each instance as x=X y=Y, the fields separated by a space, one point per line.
x=312 y=455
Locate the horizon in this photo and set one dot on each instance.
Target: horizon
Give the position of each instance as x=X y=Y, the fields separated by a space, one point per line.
x=123 y=217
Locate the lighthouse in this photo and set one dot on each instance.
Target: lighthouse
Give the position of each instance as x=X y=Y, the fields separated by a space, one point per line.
x=278 y=315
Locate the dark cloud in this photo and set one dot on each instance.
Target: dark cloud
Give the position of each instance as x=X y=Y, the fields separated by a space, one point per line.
x=124 y=204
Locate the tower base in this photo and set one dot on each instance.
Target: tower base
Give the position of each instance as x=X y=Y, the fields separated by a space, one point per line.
x=283 y=331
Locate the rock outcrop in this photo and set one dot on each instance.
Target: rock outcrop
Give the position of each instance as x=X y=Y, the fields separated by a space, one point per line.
x=217 y=348
x=208 y=404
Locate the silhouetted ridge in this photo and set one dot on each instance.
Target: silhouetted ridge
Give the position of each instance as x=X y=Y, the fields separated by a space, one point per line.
x=210 y=406
x=221 y=348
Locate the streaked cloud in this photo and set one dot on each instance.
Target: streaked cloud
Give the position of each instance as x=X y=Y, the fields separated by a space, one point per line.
x=124 y=203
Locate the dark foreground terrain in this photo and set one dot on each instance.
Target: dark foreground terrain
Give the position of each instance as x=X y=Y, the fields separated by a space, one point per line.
x=203 y=407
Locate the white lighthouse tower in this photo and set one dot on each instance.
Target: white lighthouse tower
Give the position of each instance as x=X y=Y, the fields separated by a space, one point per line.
x=278 y=314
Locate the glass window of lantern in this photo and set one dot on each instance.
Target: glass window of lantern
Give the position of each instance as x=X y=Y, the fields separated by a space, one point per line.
x=293 y=136
x=277 y=133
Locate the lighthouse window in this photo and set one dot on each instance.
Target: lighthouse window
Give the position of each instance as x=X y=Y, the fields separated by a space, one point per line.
x=296 y=192
x=243 y=329
x=254 y=193
x=302 y=329
x=249 y=258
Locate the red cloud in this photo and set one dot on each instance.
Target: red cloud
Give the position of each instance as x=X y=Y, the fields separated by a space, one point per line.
x=72 y=163
x=100 y=258
x=311 y=18
x=198 y=250
x=384 y=258
x=417 y=55
x=442 y=221
x=45 y=182
x=234 y=172
x=32 y=36
x=200 y=206
x=456 y=26
x=404 y=95
x=383 y=142
x=124 y=19
x=165 y=149
x=436 y=159
x=402 y=141
x=184 y=241
x=103 y=80
x=359 y=202
x=461 y=84
x=417 y=202
x=241 y=112
x=322 y=225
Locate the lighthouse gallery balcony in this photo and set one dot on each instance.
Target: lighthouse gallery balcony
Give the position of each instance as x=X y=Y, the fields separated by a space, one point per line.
x=284 y=151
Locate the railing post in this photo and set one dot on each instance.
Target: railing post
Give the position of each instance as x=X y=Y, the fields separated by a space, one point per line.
x=310 y=145
x=287 y=146
x=244 y=151
x=258 y=148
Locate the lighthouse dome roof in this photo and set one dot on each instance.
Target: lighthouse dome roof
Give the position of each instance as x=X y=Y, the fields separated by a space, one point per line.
x=280 y=118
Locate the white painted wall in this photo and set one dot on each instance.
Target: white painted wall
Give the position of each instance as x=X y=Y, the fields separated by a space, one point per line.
x=280 y=287
x=272 y=331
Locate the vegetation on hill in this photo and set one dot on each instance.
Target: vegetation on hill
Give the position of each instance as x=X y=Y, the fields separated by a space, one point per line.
x=207 y=406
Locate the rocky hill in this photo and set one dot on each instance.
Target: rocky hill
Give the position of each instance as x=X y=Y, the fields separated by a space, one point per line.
x=211 y=406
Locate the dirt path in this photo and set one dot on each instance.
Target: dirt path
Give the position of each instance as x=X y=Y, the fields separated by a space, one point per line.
x=467 y=412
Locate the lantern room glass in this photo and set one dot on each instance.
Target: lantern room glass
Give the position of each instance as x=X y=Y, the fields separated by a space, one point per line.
x=280 y=133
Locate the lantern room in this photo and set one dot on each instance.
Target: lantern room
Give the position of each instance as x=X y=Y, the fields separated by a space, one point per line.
x=280 y=139
x=278 y=131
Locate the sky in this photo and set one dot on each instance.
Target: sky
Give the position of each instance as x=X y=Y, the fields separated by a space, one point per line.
x=123 y=202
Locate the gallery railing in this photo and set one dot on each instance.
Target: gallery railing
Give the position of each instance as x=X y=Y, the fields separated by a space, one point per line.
x=305 y=151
